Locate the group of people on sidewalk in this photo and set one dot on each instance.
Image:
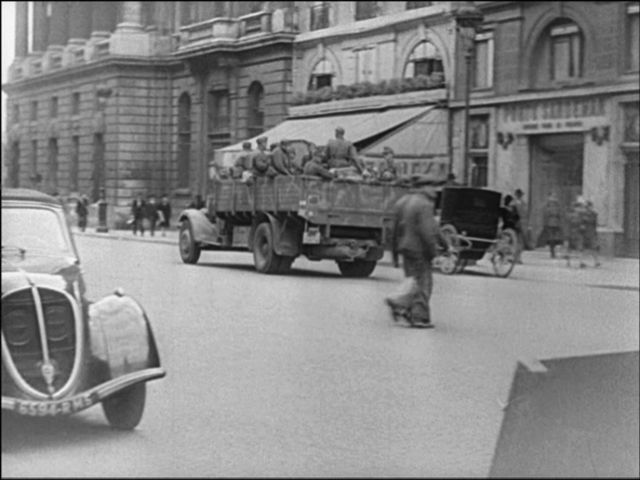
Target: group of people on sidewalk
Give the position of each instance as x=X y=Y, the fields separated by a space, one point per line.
x=150 y=214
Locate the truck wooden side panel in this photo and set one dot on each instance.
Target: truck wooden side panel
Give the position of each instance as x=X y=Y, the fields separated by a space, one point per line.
x=335 y=202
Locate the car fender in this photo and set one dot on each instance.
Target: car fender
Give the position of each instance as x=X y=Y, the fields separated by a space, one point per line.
x=121 y=336
x=286 y=234
x=203 y=230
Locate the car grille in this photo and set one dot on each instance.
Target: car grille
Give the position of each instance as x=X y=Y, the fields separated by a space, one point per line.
x=22 y=335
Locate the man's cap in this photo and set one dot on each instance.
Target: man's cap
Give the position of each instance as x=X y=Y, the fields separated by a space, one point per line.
x=284 y=141
x=387 y=150
x=262 y=140
x=339 y=130
x=246 y=145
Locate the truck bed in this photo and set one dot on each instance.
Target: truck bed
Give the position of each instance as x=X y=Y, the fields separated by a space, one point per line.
x=337 y=202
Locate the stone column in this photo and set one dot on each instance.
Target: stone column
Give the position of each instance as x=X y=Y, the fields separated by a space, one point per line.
x=22 y=30
x=79 y=22
x=59 y=24
x=40 y=33
x=130 y=38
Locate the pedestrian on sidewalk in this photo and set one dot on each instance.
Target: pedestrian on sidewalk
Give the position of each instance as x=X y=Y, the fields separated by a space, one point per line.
x=82 y=211
x=151 y=213
x=416 y=237
x=522 y=226
x=137 y=214
x=552 y=221
x=164 y=211
x=583 y=222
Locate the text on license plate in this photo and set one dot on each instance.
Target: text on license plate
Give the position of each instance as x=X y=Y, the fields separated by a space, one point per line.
x=58 y=407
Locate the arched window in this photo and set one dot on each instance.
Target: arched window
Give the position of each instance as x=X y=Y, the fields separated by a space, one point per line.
x=425 y=59
x=566 y=51
x=255 y=120
x=322 y=75
x=184 y=139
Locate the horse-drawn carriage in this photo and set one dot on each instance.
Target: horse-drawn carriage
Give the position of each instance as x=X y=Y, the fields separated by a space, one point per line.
x=470 y=220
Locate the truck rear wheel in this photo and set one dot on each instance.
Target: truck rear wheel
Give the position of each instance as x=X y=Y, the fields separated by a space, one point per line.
x=357 y=268
x=265 y=259
x=189 y=249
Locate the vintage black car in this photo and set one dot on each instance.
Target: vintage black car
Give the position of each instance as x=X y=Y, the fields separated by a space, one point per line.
x=62 y=353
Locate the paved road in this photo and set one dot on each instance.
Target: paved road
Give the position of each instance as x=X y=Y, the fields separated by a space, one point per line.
x=305 y=375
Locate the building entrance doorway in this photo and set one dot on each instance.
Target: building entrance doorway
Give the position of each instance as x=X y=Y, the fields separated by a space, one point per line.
x=556 y=166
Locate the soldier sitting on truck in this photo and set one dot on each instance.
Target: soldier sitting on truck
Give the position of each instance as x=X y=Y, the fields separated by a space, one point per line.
x=388 y=171
x=261 y=160
x=316 y=165
x=242 y=165
x=280 y=160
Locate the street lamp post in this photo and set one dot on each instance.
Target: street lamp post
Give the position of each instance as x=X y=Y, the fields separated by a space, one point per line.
x=468 y=18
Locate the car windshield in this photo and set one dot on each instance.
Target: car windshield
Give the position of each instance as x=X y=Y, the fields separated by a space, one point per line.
x=34 y=231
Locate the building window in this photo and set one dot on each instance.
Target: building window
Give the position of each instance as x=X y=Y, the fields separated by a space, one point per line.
x=633 y=43
x=479 y=150
x=13 y=173
x=75 y=103
x=53 y=111
x=322 y=75
x=631 y=123
x=414 y=5
x=218 y=111
x=365 y=64
x=34 y=160
x=52 y=166
x=75 y=163
x=255 y=122
x=34 y=110
x=319 y=15
x=425 y=59
x=365 y=10
x=15 y=118
x=483 y=61
x=566 y=51
x=184 y=139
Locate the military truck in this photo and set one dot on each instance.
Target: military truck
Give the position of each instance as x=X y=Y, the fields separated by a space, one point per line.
x=282 y=218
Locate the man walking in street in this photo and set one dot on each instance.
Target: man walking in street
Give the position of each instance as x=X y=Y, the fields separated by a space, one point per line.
x=416 y=237
x=137 y=213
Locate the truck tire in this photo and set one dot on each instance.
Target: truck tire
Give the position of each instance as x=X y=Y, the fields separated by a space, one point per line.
x=265 y=259
x=357 y=268
x=189 y=249
x=285 y=263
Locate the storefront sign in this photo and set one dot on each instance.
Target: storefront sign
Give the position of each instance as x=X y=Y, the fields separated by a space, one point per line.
x=544 y=116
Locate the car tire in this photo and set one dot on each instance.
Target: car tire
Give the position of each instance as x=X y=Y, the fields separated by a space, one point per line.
x=265 y=259
x=357 y=268
x=189 y=249
x=124 y=409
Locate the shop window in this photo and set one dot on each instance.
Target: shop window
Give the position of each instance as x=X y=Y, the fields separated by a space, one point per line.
x=184 y=139
x=75 y=163
x=633 y=41
x=566 y=51
x=414 y=5
x=365 y=64
x=34 y=110
x=319 y=15
x=479 y=150
x=322 y=75
x=256 y=110
x=483 y=61
x=75 y=103
x=365 y=10
x=218 y=111
x=425 y=59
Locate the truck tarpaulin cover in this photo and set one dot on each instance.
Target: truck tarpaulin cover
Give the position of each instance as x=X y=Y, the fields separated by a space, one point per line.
x=572 y=417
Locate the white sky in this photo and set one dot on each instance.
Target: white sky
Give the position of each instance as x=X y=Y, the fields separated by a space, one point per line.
x=8 y=37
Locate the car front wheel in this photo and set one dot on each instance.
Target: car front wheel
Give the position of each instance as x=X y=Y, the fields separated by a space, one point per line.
x=124 y=409
x=189 y=249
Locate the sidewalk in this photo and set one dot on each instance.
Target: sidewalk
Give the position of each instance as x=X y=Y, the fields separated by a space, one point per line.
x=617 y=273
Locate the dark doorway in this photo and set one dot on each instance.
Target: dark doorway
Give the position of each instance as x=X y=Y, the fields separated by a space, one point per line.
x=631 y=205
x=557 y=162
x=98 y=166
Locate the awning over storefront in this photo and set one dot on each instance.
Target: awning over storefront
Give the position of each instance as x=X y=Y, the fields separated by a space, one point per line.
x=358 y=126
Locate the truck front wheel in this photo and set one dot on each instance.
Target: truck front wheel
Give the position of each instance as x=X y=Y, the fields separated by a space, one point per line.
x=265 y=259
x=357 y=268
x=189 y=249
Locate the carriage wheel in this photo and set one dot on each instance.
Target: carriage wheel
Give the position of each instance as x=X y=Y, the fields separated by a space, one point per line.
x=503 y=256
x=461 y=265
x=449 y=263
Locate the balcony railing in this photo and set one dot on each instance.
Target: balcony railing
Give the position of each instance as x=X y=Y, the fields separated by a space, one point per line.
x=220 y=28
x=258 y=22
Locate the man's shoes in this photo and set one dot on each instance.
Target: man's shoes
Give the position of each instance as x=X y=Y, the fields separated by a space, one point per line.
x=421 y=324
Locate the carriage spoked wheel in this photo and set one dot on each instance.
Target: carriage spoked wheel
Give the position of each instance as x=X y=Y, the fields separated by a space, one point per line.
x=450 y=263
x=503 y=256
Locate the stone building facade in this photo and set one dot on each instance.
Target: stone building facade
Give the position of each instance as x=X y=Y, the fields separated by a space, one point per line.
x=558 y=110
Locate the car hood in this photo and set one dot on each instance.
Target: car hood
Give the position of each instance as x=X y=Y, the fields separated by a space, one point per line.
x=54 y=272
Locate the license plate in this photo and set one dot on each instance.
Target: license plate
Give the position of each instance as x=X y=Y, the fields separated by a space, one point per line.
x=56 y=407
x=311 y=237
